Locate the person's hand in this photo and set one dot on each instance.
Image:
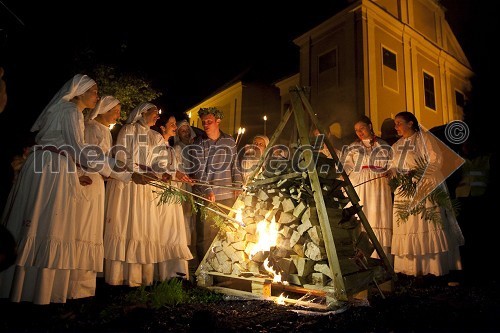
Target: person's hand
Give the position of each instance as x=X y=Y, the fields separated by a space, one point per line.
x=143 y=179
x=183 y=177
x=210 y=196
x=166 y=177
x=85 y=180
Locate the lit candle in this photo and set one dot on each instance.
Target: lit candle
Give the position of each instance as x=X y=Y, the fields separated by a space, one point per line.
x=238 y=136
x=265 y=121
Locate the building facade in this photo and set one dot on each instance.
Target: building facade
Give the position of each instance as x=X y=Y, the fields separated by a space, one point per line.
x=380 y=57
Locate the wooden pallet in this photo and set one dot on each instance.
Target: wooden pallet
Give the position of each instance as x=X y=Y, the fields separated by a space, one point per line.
x=260 y=288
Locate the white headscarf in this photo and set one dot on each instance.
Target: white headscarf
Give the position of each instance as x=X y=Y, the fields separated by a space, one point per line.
x=78 y=85
x=104 y=105
x=181 y=123
x=263 y=137
x=136 y=113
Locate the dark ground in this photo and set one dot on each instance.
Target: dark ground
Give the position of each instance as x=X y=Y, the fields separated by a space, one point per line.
x=426 y=304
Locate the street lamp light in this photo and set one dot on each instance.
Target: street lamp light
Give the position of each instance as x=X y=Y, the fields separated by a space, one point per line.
x=265 y=122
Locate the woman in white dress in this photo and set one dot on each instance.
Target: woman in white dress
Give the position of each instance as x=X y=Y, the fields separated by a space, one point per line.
x=42 y=210
x=366 y=163
x=133 y=243
x=91 y=204
x=172 y=223
x=422 y=247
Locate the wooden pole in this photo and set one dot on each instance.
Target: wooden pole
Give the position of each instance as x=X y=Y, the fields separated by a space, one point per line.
x=331 y=252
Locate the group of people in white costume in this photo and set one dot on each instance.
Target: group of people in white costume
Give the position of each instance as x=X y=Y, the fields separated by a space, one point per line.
x=68 y=225
x=82 y=206
x=144 y=240
x=416 y=246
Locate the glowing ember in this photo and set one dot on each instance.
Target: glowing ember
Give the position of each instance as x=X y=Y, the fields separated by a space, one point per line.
x=281 y=299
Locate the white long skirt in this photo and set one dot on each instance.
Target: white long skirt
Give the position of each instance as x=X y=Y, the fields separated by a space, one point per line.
x=421 y=247
x=41 y=214
x=375 y=197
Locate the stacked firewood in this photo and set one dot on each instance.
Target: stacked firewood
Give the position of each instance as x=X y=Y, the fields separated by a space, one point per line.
x=283 y=212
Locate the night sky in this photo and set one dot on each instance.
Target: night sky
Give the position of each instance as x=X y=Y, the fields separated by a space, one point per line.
x=187 y=53
x=205 y=45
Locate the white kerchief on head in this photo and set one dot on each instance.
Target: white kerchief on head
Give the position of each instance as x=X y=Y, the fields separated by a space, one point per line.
x=78 y=85
x=263 y=137
x=181 y=123
x=136 y=113
x=104 y=105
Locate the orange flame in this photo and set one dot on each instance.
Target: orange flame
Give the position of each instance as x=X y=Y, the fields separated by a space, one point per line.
x=268 y=235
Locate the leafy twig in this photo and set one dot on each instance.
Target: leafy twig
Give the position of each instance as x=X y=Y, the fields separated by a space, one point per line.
x=406 y=185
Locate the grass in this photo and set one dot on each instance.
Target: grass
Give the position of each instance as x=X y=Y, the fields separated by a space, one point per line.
x=170 y=293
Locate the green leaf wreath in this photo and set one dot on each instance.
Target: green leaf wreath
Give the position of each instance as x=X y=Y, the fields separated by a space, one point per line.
x=405 y=185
